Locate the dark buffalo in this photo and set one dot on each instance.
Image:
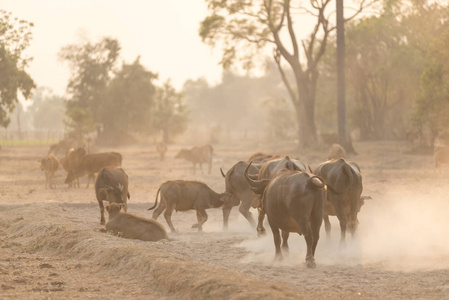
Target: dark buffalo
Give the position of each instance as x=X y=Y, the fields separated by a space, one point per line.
x=344 y=181
x=49 y=165
x=111 y=185
x=197 y=155
x=237 y=186
x=271 y=167
x=133 y=227
x=183 y=195
x=293 y=202
x=91 y=163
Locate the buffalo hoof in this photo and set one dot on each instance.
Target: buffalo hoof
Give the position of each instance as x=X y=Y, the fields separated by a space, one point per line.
x=261 y=232
x=195 y=226
x=311 y=264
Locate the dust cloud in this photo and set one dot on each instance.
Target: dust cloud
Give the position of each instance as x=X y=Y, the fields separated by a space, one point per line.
x=400 y=231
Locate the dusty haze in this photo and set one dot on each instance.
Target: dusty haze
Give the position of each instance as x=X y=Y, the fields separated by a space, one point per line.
x=52 y=247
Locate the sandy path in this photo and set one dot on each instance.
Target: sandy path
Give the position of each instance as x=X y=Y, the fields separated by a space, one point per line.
x=50 y=245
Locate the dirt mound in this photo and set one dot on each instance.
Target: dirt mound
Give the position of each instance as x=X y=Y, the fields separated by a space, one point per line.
x=42 y=229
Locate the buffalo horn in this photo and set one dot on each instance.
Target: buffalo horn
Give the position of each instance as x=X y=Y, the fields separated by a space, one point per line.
x=223 y=174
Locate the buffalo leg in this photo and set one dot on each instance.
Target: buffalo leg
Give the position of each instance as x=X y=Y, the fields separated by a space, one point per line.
x=167 y=215
x=304 y=226
x=226 y=213
x=201 y=215
x=157 y=212
x=285 y=235
x=327 y=225
x=244 y=210
x=277 y=241
x=100 y=203
x=260 y=229
x=342 y=218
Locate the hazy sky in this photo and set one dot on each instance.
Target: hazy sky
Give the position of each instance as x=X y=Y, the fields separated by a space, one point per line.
x=164 y=33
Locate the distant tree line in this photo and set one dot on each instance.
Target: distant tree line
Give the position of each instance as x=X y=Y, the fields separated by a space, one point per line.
x=119 y=100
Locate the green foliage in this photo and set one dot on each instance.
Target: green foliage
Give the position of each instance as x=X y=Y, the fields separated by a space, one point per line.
x=92 y=65
x=432 y=103
x=47 y=110
x=130 y=96
x=15 y=37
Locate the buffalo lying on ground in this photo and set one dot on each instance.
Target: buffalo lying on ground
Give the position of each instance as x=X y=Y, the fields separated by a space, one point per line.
x=183 y=195
x=133 y=227
x=111 y=185
x=237 y=186
x=161 y=148
x=344 y=182
x=293 y=202
x=197 y=155
x=49 y=165
x=91 y=163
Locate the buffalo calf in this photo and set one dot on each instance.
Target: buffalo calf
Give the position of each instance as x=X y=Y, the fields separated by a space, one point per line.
x=49 y=165
x=183 y=195
x=133 y=227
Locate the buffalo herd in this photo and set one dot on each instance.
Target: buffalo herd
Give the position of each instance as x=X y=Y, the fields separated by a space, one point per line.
x=292 y=196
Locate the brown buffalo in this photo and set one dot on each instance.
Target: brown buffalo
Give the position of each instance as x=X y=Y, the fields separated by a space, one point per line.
x=344 y=182
x=49 y=165
x=133 y=227
x=197 y=155
x=293 y=202
x=68 y=165
x=336 y=151
x=183 y=195
x=91 y=163
x=237 y=186
x=111 y=185
x=161 y=148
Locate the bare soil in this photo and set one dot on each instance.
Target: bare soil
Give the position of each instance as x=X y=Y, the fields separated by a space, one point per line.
x=51 y=246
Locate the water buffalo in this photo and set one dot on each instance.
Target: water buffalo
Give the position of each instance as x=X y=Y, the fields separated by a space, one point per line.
x=49 y=165
x=91 y=163
x=197 y=155
x=336 y=151
x=133 y=227
x=344 y=181
x=184 y=195
x=237 y=186
x=271 y=167
x=111 y=185
x=293 y=202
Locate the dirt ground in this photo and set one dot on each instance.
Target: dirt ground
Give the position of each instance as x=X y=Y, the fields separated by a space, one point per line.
x=51 y=246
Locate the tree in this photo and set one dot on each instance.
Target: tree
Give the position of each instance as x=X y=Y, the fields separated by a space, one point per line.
x=92 y=66
x=432 y=103
x=47 y=111
x=246 y=27
x=130 y=96
x=168 y=114
x=15 y=37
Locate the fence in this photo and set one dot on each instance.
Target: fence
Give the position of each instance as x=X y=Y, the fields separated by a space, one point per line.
x=16 y=138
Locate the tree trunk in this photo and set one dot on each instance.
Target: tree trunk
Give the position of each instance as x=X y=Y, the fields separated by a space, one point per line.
x=343 y=134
